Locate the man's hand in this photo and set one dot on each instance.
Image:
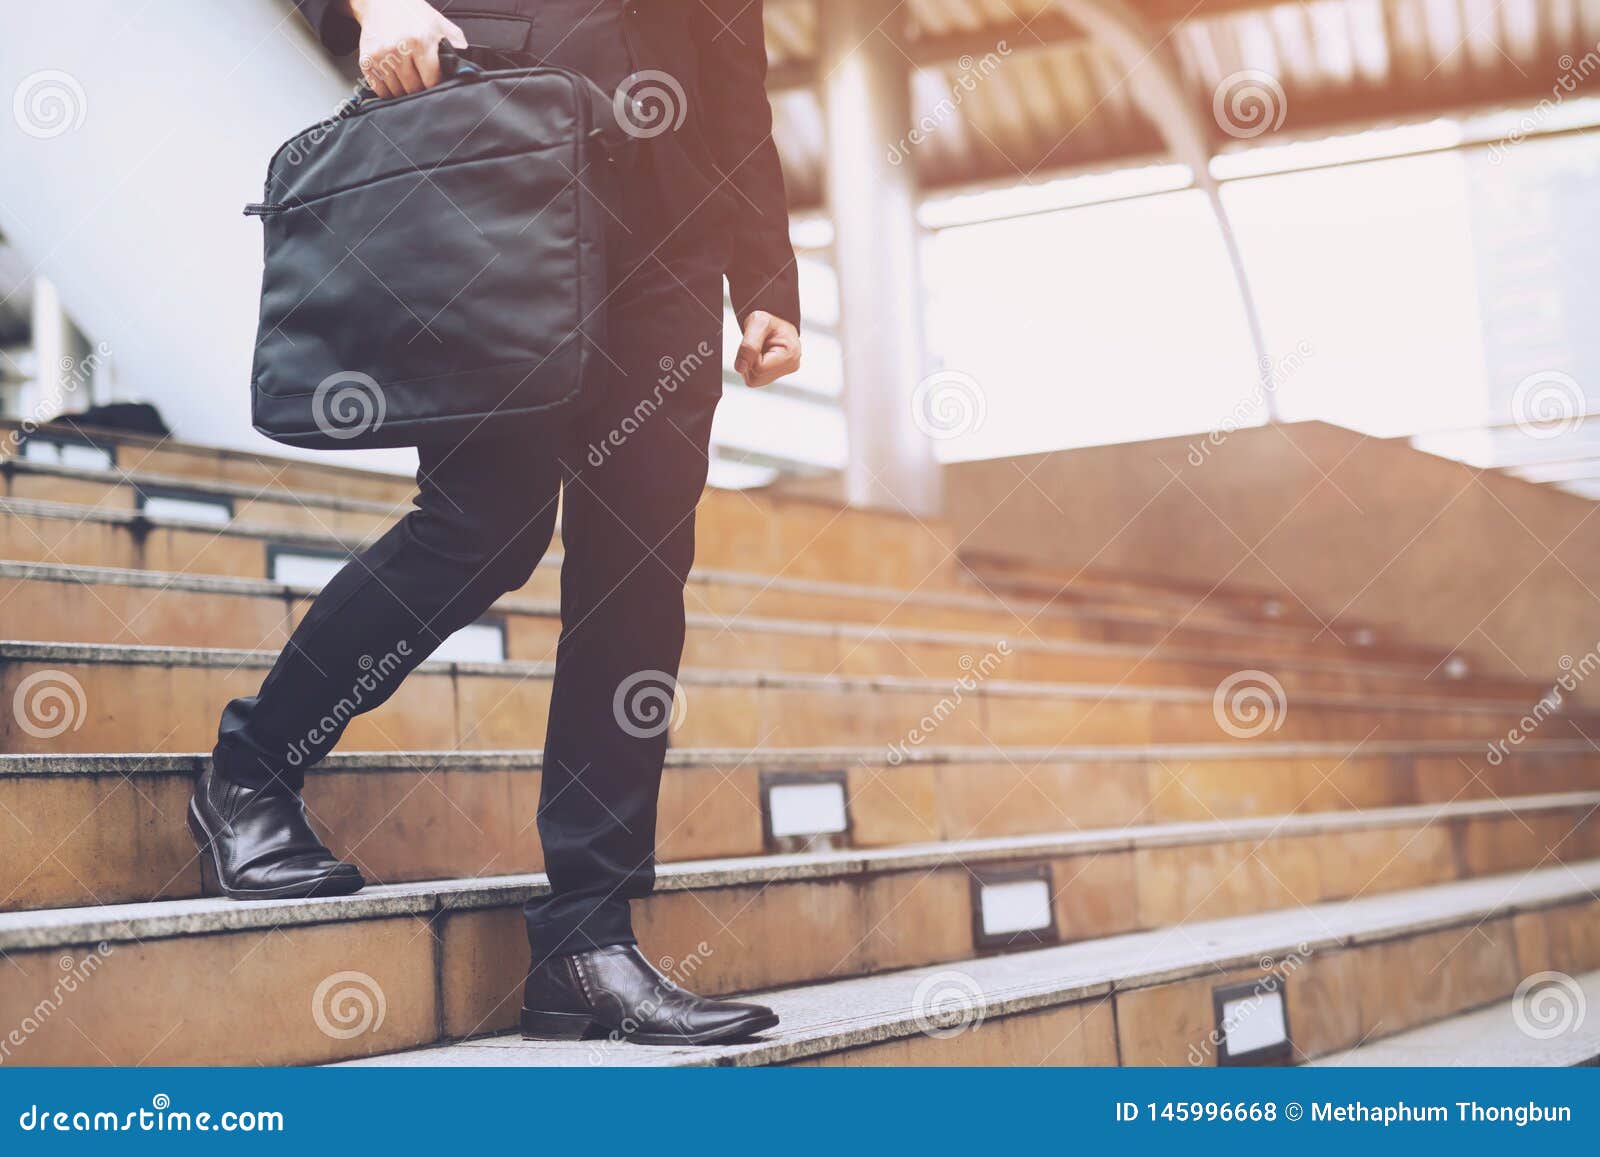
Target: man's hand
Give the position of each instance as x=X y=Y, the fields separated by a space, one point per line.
x=770 y=350
x=400 y=44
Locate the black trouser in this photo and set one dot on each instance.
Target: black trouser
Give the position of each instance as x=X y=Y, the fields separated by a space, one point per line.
x=630 y=473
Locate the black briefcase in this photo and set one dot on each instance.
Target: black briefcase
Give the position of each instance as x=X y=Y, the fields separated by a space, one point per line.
x=436 y=262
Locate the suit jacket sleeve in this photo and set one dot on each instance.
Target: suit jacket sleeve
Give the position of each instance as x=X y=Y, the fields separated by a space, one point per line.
x=738 y=123
x=332 y=23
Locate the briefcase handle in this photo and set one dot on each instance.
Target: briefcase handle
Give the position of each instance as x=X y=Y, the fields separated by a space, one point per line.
x=468 y=63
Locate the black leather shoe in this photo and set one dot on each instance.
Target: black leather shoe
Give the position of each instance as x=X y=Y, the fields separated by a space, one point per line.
x=614 y=991
x=255 y=844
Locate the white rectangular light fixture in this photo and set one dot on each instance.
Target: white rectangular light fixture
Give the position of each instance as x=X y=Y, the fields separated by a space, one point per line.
x=1013 y=907
x=801 y=810
x=79 y=455
x=187 y=508
x=1252 y=1023
x=482 y=642
x=807 y=809
x=303 y=568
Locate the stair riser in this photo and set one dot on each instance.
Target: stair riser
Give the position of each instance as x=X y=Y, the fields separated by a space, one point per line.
x=68 y=612
x=73 y=840
x=28 y=538
x=205 y=465
x=280 y=512
x=851 y=557
x=181 y=1001
x=803 y=540
x=1335 y=999
x=155 y=708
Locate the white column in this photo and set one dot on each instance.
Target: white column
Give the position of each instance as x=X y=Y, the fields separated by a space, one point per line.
x=46 y=395
x=866 y=97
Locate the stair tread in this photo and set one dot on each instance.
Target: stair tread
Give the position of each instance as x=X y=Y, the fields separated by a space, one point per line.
x=166 y=581
x=973 y=568
x=136 y=763
x=1085 y=588
x=952 y=597
x=1488 y=1037
x=43 y=928
x=823 y=1018
x=218 y=486
x=234 y=658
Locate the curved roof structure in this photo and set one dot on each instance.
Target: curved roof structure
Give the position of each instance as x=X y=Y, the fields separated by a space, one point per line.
x=1014 y=88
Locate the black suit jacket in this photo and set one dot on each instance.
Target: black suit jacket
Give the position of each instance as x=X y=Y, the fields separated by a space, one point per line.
x=720 y=165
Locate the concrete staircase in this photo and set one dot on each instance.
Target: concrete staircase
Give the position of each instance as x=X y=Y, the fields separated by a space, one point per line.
x=940 y=809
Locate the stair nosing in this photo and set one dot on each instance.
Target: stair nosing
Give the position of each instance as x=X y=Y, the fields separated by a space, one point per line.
x=123 y=763
x=167 y=919
x=220 y=486
x=1410 y=1046
x=1068 y=974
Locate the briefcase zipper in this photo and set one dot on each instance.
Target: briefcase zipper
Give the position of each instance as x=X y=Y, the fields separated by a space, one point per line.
x=576 y=80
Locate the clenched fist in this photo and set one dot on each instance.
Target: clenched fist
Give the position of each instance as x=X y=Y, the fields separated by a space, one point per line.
x=770 y=349
x=400 y=44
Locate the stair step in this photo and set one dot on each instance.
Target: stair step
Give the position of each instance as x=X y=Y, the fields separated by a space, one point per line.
x=190 y=970
x=106 y=605
x=1346 y=970
x=107 y=829
x=1033 y=580
x=802 y=537
x=1560 y=1032
x=172 y=705
x=799 y=536
x=350 y=521
x=168 y=456
x=72 y=535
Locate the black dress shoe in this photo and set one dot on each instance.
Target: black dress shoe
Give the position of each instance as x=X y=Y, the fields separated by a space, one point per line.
x=615 y=992
x=255 y=844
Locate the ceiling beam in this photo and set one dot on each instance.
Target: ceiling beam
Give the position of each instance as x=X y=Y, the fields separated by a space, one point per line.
x=1048 y=30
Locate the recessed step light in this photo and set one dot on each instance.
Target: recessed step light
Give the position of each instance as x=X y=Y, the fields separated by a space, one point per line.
x=480 y=642
x=805 y=810
x=304 y=566
x=1013 y=907
x=80 y=454
x=1252 y=1023
x=185 y=505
